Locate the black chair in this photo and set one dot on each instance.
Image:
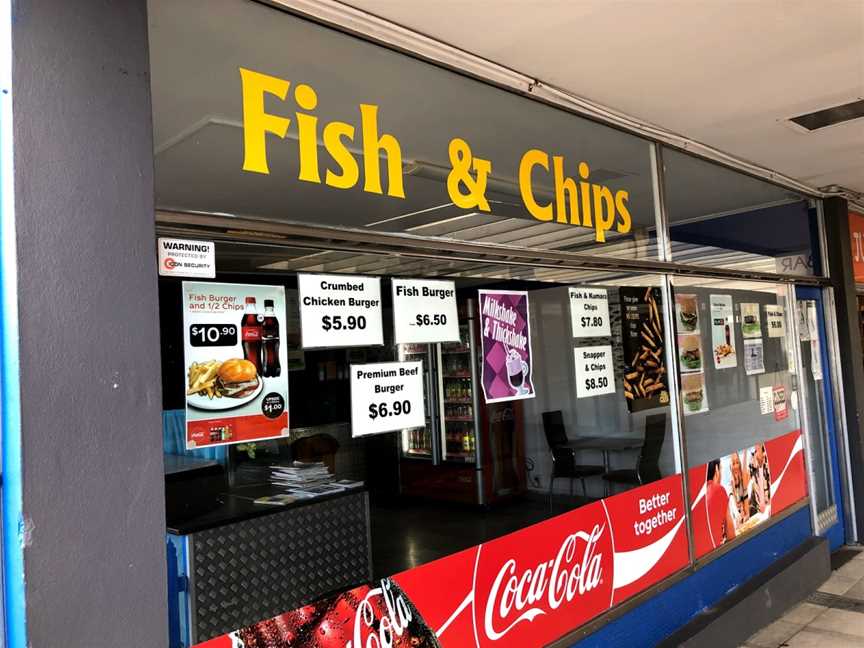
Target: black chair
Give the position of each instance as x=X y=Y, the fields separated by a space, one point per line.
x=648 y=467
x=563 y=457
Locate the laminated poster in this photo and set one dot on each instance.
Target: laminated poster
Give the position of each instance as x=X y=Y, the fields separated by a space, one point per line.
x=751 y=326
x=693 y=396
x=645 y=376
x=507 y=372
x=687 y=312
x=754 y=357
x=781 y=410
x=723 y=332
x=766 y=400
x=775 y=319
x=236 y=366
x=690 y=352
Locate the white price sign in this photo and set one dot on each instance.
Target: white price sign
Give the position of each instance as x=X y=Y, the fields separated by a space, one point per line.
x=340 y=311
x=589 y=312
x=386 y=396
x=595 y=374
x=775 y=319
x=424 y=311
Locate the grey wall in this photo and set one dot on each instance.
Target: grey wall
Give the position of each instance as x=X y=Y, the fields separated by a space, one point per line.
x=90 y=383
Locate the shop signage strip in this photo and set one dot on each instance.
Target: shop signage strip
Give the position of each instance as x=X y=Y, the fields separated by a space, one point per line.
x=328 y=237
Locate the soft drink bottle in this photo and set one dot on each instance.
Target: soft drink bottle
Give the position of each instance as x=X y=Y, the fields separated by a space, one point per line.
x=250 y=332
x=270 y=341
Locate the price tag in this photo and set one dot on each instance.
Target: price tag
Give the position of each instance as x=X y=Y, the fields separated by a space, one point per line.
x=775 y=319
x=340 y=311
x=589 y=312
x=595 y=374
x=424 y=311
x=207 y=335
x=386 y=396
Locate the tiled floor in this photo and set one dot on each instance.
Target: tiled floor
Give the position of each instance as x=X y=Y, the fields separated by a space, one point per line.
x=832 y=617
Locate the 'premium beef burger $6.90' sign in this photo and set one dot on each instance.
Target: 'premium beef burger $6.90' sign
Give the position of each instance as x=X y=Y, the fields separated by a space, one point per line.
x=523 y=589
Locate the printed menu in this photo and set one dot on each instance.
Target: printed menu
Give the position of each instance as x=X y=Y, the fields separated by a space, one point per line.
x=645 y=376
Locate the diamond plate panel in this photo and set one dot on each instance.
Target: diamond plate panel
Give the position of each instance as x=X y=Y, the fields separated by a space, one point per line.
x=258 y=568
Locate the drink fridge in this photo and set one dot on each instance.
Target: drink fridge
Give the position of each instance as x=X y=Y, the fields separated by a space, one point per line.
x=463 y=453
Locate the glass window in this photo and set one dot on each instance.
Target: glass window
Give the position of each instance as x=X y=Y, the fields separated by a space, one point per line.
x=366 y=138
x=598 y=424
x=725 y=219
x=740 y=401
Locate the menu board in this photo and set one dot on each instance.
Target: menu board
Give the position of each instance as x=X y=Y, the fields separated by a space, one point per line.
x=340 y=311
x=424 y=311
x=235 y=364
x=595 y=373
x=751 y=325
x=723 y=332
x=775 y=318
x=754 y=357
x=589 y=312
x=386 y=396
x=645 y=377
x=507 y=372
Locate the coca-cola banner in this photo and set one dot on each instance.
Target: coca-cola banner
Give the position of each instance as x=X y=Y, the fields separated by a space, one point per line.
x=523 y=589
x=236 y=368
x=505 y=328
x=732 y=495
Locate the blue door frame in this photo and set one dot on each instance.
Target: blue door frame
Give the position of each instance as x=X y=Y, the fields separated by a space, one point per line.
x=836 y=533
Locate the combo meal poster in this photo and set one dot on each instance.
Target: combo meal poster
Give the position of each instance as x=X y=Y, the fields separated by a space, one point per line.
x=236 y=369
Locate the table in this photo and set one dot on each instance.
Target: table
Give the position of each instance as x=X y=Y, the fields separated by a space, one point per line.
x=605 y=445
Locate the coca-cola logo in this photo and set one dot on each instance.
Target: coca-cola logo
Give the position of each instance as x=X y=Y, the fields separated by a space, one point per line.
x=393 y=618
x=575 y=570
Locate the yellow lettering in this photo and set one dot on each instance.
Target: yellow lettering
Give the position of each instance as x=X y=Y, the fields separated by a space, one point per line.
x=257 y=123
x=338 y=150
x=531 y=159
x=307 y=130
x=373 y=144
x=604 y=218
x=565 y=193
x=621 y=199
x=585 y=192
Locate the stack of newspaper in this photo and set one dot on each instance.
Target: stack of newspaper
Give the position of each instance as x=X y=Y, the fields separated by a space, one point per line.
x=302 y=479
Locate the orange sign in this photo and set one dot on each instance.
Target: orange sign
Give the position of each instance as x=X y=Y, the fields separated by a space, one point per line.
x=856 y=237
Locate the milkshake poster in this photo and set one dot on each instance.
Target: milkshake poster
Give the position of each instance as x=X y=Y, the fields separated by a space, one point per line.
x=506 y=338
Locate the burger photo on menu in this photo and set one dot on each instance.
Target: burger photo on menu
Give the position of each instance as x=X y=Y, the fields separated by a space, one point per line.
x=693 y=393
x=687 y=309
x=690 y=352
x=215 y=385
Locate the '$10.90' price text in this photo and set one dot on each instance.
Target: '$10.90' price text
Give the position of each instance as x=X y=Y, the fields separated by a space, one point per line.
x=383 y=410
x=339 y=323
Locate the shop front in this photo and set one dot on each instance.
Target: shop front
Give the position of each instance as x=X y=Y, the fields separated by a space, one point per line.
x=444 y=365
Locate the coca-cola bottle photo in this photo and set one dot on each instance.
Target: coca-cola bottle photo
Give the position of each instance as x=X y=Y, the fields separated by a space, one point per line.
x=270 y=366
x=250 y=333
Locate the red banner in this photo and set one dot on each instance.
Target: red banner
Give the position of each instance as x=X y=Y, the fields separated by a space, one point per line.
x=732 y=495
x=526 y=588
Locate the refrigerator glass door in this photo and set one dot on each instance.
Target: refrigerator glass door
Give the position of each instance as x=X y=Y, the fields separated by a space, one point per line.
x=458 y=430
x=417 y=443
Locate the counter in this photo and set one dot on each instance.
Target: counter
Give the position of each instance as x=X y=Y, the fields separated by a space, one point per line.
x=243 y=562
